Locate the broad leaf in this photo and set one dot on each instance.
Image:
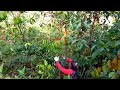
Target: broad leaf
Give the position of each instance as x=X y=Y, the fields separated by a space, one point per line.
x=117 y=42
x=21 y=72
x=45 y=63
x=81 y=46
x=17 y=20
x=111 y=74
x=93 y=47
x=97 y=52
x=49 y=67
x=40 y=72
x=74 y=41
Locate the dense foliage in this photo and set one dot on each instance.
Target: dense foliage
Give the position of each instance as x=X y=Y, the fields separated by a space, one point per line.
x=29 y=41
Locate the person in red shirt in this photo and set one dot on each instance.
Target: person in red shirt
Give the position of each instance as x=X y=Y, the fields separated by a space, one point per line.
x=72 y=71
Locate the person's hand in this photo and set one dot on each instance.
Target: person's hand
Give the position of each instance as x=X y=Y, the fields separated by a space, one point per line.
x=56 y=59
x=64 y=57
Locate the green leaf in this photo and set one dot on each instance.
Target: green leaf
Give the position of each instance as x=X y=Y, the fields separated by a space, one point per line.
x=93 y=47
x=41 y=66
x=111 y=74
x=0 y=53
x=74 y=41
x=65 y=12
x=78 y=26
x=45 y=63
x=69 y=77
x=66 y=77
x=40 y=72
x=1 y=68
x=27 y=44
x=3 y=16
x=81 y=46
x=101 y=43
x=17 y=20
x=97 y=52
x=117 y=42
x=84 y=42
x=21 y=72
x=49 y=67
x=32 y=21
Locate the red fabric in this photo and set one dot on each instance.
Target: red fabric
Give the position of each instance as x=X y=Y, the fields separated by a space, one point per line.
x=63 y=70
x=69 y=60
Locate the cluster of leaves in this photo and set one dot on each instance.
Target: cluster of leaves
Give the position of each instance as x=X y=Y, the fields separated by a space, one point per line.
x=95 y=43
x=28 y=44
